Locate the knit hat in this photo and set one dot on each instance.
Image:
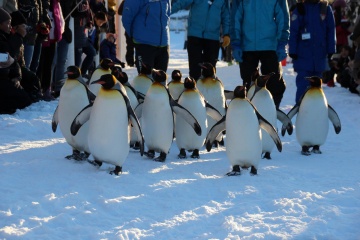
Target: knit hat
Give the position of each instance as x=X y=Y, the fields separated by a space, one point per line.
x=4 y=15
x=339 y=3
x=17 y=18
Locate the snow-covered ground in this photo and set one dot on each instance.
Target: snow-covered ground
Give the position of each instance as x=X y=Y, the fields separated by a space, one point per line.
x=45 y=196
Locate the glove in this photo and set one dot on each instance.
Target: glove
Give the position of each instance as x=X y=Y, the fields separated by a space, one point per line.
x=281 y=50
x=226 y=41
x=236 y=51
x=293 y=56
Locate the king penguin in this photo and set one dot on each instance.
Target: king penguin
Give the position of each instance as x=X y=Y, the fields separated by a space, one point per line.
x=243 y=136
x=110 y=118
x=264 y=103
x=103 y=68
x=313 y=112
x=74 y=96
x=212 y=89
x=143 y=80
x=157 y=117
x=195 y=103
x=176 y=85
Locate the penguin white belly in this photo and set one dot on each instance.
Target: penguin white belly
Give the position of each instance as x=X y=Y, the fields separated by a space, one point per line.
x=175 y=89
x=157 y=120
x=94 y=88
x=265 y=105
x=243 y=135
x=214 y=94
x=109 y=129
x=141 y=84
x=185 y=136
x=73 y=98
x=133 y=102
x=312 y=121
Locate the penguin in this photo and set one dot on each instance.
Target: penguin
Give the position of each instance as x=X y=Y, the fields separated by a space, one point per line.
x=176 y=85
x=157 y=118
x=243 y=136
x=195 y=103
x=313 y=112
x=110 y=118
x=264 y=103
x=253 y=78
x=103 y=68
x=212 y=89
x=74 y=96
x=132 y=94
x=142 y=82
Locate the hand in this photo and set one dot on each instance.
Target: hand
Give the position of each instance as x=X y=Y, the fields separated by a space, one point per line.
x=281 y=50
x=16 y=82
x=226 y=41
x=293 y=56
x=236 y=51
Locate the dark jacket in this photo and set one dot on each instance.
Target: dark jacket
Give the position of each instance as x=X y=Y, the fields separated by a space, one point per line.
x=31 y=11
x=108 y=50
x=81 y=21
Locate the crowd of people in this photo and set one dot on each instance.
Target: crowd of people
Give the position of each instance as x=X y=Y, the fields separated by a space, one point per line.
x=35 y=37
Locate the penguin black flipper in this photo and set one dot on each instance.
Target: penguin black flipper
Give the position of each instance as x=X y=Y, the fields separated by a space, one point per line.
x=81 y=119
x=229 y=95
x=134 y=122
x=293 y=111
x=138 y=110
x=264 y=124
x=185 y=114
x=140 y=97
x=218 y=128
x=91 y=95
x=55 y=119
x=212 y=112
x=286 y=122
x=334 y=118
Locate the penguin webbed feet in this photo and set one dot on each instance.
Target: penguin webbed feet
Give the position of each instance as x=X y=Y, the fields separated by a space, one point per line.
x=235 y=171
x=305 y=151
x=182 y=154
x=95 y=163
x=135 y=146
x=161 y=158
x=316 y=149
x=195 y=154
x=253 y=171
x=78 y=156
x=150 y=154
x=266 y=156
x=116 y=171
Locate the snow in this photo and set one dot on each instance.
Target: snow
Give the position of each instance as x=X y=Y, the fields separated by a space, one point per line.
x=45 y=196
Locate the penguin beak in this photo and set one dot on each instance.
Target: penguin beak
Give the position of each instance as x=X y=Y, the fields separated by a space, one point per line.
x=100 y=81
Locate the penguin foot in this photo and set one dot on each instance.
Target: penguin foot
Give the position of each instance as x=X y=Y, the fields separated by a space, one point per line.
x=222 y=143
x=136 y=146
x=84 y=156
x=253 y=171
x=150 y=154
x=116 y=171
x=161 y=158
x=235 y=171
x=74 y=156
x=305 y=151
x=195 y=154
x=267 y=155
x=182 y=154
x=316 y=149
x=96 y=163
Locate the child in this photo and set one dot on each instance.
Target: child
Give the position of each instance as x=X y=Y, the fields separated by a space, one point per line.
x=108 y=49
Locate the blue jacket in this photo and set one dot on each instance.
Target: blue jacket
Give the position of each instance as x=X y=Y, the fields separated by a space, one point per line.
x=147 y=21
x=205 y=20
x=312 y=53
x=258 y=25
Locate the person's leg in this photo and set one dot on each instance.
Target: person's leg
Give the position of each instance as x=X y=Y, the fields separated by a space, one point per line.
x=162 y=58
x=90 y=53
x=28 y=54
x=301 y=84
x=194 y=49
x=248 y=67
x=145 y=54
x=129 y=56
x=211 y=51
x=44 y=72
x=61 y=58
x=36 y=55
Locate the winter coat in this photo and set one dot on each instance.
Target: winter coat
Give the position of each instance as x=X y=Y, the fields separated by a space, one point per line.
x=147 y=21
x=205 y=20
x=30 y=9
x=258 y=25
x=81 y=21
x=108 y=50
x=312 y=53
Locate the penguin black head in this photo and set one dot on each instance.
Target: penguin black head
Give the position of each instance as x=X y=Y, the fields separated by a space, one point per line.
x=240 y=92
x=159 y=76
x=255 y=75
x=315 y=81
x=116 y=70
x=145 y=69
x=106 y=63
x=108 y=81
x=189 y=83
x=262 y=80
x=207 y=70
x=176 y=75
x=73 y=72
x=123 y=78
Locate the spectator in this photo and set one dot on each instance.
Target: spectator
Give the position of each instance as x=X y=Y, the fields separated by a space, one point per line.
x=261 y=35
x=340 y=67
x=130 y=47
x=312 y=41
x=342 y=24
x=12 y=95
x=108 y=49
x=147 y=23
x=206 y=19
